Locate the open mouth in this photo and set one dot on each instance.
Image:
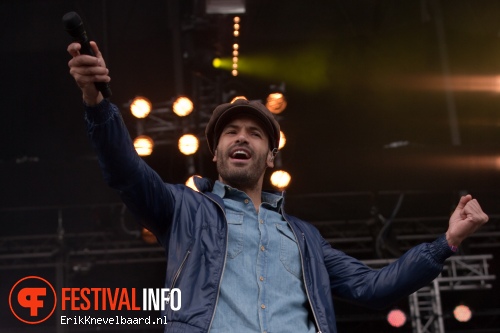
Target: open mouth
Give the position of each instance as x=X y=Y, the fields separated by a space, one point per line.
x=240 y=154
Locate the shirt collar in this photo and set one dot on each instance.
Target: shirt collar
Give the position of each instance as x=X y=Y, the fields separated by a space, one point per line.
x=271 y=199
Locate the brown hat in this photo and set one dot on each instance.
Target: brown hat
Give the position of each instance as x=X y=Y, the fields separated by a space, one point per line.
x=224 y=112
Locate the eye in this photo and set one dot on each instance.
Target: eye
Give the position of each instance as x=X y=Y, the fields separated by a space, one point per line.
x=257 y=134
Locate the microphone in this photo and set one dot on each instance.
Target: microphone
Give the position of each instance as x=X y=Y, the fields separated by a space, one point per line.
x=74 y=26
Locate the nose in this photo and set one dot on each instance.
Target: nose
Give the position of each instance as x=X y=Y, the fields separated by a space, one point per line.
x=242 y=137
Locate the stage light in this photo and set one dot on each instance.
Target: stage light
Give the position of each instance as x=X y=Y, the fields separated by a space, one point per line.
x=143 y=145
x=310 y=78
x=496 y=162
x=188 y=144
x=148 y=236
x=462 y=313
x=237 y=98
x=224 y=63
x=217 y=62
x=190 y=183
x=234 y=72
x=396 y=318
x=282 y=140
x=231 y=63
x=276 y=102
x=140 y=107
x=280 y=179
x=182 y=106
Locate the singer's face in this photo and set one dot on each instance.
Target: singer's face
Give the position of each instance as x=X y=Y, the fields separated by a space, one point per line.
x=242 y=154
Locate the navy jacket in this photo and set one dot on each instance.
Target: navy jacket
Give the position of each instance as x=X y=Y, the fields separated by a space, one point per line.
x=193 y=230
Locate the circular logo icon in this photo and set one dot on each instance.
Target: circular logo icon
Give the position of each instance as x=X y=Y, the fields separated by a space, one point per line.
x=32 y=300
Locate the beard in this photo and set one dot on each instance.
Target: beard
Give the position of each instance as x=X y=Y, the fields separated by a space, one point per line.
x=241 y=176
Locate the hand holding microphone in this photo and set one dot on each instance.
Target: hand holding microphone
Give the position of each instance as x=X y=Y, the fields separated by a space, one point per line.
x=86 y=70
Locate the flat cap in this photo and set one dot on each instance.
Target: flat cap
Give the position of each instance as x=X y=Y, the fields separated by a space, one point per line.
x=227 y=111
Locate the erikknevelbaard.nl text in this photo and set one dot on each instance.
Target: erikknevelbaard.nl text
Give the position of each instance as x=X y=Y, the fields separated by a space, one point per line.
x=115 y=320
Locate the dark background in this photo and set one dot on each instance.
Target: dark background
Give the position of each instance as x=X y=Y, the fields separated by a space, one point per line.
x=367 y=116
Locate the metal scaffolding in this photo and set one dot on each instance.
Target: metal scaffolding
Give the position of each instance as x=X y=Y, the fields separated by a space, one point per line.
x=459 y=273
x=109 y=246
x=74 y=241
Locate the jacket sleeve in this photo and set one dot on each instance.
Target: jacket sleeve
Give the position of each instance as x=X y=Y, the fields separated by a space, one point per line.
x=353 y=280
x=141 y=188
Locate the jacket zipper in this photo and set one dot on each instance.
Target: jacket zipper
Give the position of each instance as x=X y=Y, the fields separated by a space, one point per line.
x=304 y=275
x=224 y=264
x=177 y=274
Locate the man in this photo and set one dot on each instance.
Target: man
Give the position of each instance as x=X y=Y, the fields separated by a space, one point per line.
x=242 y=264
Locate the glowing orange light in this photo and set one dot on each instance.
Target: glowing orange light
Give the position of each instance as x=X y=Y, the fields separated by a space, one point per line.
x=190 y=183
x=237 y=98
x=462 y=313
x=140 y=107
x=280 y=179
x=143 y=144
x=396 y=318
x=282 y=140
x=276 y=102
x=465 y=83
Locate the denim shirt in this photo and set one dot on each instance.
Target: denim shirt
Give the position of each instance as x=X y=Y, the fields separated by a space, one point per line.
x=262 y=288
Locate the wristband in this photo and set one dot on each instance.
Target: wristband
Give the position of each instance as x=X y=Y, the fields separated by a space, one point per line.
x=453 y=248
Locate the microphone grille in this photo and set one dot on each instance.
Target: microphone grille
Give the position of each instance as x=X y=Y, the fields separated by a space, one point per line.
x=72 y=23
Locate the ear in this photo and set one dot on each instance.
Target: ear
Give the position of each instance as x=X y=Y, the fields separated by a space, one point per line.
x=215 y=156
x=270 y=159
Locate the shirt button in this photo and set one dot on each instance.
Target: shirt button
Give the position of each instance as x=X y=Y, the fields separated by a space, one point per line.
x=261 y=221
x=261 y=278
x=262 y=248
x=246 y=201
x=262 y=306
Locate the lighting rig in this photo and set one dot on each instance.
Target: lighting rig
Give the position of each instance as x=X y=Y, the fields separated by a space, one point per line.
x=182 y=122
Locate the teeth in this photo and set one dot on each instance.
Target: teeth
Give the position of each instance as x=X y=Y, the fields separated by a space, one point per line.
x=240 y=152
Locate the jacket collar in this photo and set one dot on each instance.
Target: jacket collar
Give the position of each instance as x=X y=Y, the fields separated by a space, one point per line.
x=203 y=184
x=206 y=185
